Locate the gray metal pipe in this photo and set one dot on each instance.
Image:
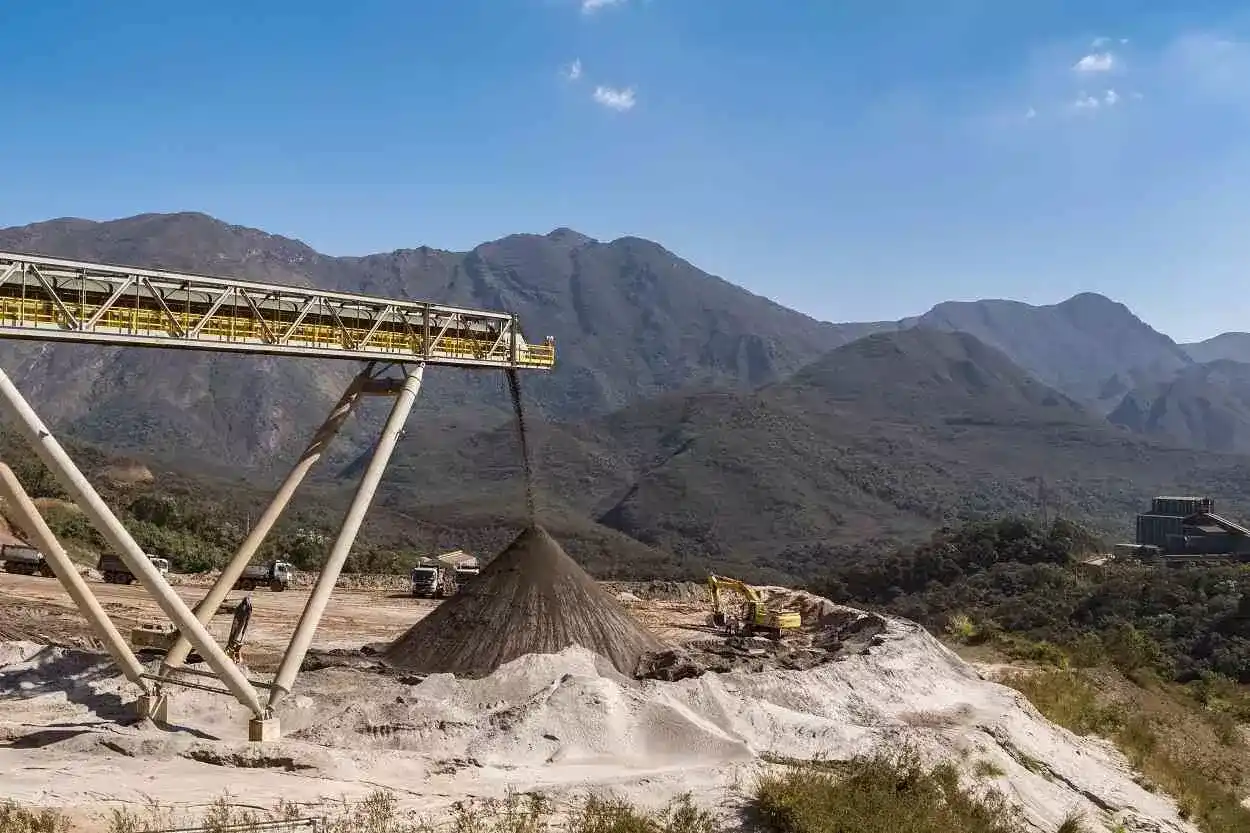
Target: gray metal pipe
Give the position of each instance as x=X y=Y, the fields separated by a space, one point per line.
x=97 y=511
x=177 y=653
x=311 y=617
x=33 y=524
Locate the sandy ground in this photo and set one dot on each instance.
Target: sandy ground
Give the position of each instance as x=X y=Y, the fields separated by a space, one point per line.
x=563 y=723
x=355 y=617
x=33 y=607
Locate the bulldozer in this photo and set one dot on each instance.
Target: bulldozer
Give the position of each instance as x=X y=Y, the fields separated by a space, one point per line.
x=758 y=618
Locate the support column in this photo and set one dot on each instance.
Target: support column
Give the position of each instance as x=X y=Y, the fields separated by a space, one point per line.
x=204 y=611
x=311 y=617
x=33 y=524
x=97 y=511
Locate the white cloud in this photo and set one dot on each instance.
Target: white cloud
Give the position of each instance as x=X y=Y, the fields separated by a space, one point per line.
x=592 y=6
x=1095 y=62
x=573 y=71
x=1089 y=103
x=1192 y=75
x=615 y=99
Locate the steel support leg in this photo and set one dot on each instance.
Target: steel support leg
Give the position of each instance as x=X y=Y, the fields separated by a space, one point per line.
x=33 y=524
x=311 y=617
x=97 y=511
x=204 y=611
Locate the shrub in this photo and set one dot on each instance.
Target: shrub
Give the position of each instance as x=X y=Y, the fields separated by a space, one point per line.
x=879 y=794
x=17 y=819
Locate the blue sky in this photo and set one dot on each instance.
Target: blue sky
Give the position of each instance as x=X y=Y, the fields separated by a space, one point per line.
x=853 y=159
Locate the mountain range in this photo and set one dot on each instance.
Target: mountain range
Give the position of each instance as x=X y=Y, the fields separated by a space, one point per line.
x=694 y=417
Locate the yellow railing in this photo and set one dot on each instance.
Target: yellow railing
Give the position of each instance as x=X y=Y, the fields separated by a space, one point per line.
x=140 y=321
x=538 y=355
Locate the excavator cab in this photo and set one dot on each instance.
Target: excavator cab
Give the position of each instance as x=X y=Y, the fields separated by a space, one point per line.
x=757 y=618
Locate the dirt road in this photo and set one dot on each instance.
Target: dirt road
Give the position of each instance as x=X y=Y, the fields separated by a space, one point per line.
x=40 y=610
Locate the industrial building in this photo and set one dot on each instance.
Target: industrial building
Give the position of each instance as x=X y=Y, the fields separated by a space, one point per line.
x=1184 y=530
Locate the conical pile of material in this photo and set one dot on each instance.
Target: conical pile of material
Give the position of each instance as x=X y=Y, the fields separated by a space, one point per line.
x=532 y=599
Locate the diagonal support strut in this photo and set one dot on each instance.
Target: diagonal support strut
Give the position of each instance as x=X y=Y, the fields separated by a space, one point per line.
x=204 y=611
x=301 y=640
x=97 y=511
x=33 y=524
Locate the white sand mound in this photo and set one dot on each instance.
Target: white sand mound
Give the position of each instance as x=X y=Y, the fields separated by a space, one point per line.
x=567 y=722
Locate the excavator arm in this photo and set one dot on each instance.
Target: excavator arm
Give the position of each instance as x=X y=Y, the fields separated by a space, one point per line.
x=757 y=614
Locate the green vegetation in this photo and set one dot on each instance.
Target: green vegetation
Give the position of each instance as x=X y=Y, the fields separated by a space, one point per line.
x=197 y=521
x=614 y=815
x=1021 y=587
x=15 y=818
x=378 y=813
x=1161 y=733
x=1149 y=658
x=880 y=794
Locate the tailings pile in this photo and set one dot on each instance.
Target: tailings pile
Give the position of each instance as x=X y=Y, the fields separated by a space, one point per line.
x=831 y=633
x=531 y=599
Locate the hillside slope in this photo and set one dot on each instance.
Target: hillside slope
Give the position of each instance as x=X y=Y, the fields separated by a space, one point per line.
x=1089 y=347
x=886 y=437
x=630 y=320
x=1206 y=406
x=1230 y=346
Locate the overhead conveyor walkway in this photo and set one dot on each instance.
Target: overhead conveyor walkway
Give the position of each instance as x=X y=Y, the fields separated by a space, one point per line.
x=48 y=299
x=61 y=300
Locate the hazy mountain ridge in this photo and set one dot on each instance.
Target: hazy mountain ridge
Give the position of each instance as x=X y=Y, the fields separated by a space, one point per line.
x=1231 y=346
x=631 y=321
x=1206 y=406
x=1076 y=346
x=685 y=413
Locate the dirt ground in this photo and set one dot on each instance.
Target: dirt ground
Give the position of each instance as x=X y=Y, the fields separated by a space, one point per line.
x=38 y=609
x=562 y=724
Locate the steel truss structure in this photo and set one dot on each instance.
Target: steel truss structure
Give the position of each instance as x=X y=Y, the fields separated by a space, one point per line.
x=62 y=300
x=57 y=300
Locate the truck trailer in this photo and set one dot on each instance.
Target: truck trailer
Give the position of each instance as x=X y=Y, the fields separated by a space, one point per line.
x=24 y=560
x=115 y=570
x=277 y=575
x=438 y=578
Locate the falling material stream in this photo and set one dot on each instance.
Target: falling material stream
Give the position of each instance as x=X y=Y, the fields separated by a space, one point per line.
x=514 y=387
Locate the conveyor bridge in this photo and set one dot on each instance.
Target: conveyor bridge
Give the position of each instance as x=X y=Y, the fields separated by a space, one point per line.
x=62 y=300
x=49 y=299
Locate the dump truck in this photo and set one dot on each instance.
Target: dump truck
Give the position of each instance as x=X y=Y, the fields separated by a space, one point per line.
x=277 y=575
x=429 y=579
x=441 y=577
x=24 y=560
x=115 y=570
x=463 y=565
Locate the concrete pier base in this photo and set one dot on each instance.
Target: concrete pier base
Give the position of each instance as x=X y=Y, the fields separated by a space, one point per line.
x=260 y=730
x=153 y=707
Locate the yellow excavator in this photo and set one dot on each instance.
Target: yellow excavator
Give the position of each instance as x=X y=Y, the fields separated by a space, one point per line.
x=758 y=618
